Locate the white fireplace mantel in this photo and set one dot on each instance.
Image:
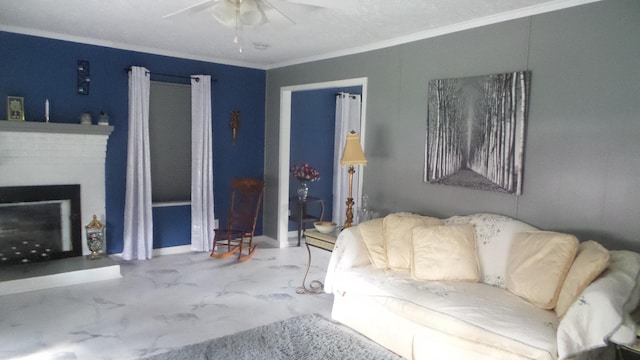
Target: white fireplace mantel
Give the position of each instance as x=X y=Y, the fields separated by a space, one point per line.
x=39 y=153
x=60 y=128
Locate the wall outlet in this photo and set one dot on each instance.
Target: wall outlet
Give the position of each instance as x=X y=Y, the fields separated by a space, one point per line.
x=216 y=223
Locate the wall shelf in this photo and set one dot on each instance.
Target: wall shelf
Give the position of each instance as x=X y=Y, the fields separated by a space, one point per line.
x=55 y=128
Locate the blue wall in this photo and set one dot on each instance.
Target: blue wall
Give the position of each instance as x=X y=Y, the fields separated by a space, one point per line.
x=313 y=114
x=40 y=68
x=171 y=226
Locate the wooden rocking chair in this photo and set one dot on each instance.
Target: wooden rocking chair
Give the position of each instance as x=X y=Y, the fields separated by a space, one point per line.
x=246 y=196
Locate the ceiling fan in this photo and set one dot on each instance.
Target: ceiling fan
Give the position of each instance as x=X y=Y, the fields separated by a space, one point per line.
x=247 y=12
x=252 y=12
x=234 y=13
x=239 y=13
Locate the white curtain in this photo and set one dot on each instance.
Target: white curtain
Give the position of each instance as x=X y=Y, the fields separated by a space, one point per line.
x=202 y=216
x=138 y=219
x=347 y=119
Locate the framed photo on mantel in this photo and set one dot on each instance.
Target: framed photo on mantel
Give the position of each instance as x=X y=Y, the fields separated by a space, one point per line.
x=15 y=108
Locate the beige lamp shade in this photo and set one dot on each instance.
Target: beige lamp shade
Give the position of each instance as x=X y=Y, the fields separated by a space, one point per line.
x=353 y=154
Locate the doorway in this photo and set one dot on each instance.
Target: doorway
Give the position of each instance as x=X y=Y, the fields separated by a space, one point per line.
x=285 y=142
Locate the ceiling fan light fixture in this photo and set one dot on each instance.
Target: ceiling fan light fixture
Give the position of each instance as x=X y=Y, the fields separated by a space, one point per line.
x=251 y=17
x=250 y=14
x=225 y=13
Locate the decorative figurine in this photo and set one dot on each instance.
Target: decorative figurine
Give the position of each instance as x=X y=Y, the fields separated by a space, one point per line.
x=234 y=124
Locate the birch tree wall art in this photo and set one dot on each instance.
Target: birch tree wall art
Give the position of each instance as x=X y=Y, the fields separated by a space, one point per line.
x=475 y=131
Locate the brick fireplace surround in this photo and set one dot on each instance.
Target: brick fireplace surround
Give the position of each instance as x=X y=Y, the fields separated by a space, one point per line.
x=37 y=153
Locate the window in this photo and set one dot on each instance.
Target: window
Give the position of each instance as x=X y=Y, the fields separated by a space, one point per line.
x=170 y=141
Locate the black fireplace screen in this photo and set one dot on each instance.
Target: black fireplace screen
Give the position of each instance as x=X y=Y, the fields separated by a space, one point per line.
x=39 y=223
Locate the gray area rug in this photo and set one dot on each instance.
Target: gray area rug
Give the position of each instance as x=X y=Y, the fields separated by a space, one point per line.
x=302 y=337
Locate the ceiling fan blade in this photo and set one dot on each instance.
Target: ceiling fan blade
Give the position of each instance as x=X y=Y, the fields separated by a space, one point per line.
x=276 y=9
x=193 y=8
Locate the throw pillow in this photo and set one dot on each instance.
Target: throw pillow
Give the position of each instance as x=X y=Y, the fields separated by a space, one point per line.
x=373 y=239
x=494 y=235
x=591 y=261
x=444 y=253
x=397 y=230
x=538 y=264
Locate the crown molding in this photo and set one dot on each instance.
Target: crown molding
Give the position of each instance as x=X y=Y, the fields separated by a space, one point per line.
x=129 y=47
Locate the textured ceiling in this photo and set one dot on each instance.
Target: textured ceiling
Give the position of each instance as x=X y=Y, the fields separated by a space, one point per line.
x=326 y=28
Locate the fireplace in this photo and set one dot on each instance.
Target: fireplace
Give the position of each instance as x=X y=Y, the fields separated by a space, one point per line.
x=38 y=154
x=39 y=223
x=41 y=154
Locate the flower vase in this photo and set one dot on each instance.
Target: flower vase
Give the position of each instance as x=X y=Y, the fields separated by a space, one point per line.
x=303 y=191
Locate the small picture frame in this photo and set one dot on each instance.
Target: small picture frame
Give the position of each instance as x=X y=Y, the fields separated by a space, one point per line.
x=15 y=108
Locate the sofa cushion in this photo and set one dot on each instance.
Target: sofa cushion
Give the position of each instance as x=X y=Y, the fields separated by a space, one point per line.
x=373 y=238
x=538 y=264
x=592 y=259
x=397 y=237
x=444 y=253
x=494 y=235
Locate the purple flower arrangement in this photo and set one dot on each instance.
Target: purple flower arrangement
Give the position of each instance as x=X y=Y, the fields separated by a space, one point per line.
x=305 y=172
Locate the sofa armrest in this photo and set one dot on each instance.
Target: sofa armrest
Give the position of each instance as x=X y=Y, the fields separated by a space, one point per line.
x=349 y=251
x=602 y=312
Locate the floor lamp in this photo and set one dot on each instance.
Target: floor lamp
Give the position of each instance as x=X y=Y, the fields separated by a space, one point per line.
x=352 y=155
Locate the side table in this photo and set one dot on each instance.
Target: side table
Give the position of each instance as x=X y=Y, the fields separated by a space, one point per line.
x=303 y=216
x=321 y=241
x=632 y=351
x=628 y=352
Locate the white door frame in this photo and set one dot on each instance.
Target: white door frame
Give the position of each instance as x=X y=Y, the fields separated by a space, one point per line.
x=285 y=144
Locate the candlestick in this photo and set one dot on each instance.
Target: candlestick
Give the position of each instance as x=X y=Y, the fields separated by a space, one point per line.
x=46 y=110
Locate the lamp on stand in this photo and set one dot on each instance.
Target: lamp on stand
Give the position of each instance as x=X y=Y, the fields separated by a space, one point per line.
x=352 y=155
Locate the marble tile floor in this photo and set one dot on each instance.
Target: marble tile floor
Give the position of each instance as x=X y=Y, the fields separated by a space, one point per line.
x=159 y=304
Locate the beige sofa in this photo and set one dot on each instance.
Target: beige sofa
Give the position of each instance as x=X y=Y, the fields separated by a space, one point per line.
x=482 y=286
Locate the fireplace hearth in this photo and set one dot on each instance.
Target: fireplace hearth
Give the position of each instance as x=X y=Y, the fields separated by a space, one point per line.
x=39 y=223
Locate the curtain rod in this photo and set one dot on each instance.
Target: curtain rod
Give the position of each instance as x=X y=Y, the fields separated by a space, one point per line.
x=172 y=75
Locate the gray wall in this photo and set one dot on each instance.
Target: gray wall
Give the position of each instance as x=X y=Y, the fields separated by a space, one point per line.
x=582 y=151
